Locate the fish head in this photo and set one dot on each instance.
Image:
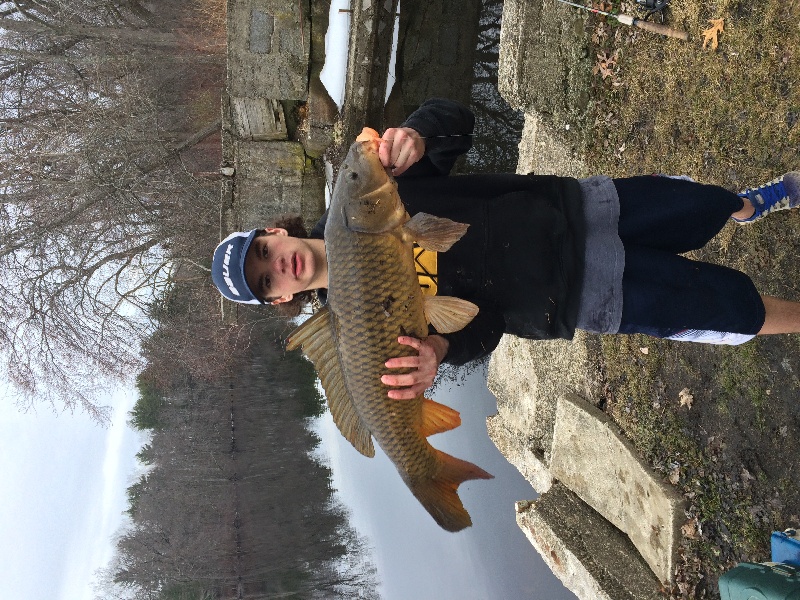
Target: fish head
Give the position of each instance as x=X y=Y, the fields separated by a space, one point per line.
x=365 y=196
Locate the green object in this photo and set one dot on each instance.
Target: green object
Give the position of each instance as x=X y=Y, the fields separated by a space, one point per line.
x=753 y=581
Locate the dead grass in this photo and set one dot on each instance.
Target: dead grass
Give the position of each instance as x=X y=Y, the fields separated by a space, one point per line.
x=210 y=18
x=729 y=117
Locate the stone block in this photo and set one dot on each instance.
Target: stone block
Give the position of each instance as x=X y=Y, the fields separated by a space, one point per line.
x=258 y=119
x=526 y=399
x=592 y=458
x=525 y=458
x=545 y=152
x=436 y=46
x=268 y=54
x=592 y=558
x=544 y=61
x=289 y=184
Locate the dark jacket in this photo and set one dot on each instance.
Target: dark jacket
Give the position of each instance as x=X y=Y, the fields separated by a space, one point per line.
x=521 y=260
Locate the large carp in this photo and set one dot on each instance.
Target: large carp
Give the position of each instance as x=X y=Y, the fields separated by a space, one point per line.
x=373 y=297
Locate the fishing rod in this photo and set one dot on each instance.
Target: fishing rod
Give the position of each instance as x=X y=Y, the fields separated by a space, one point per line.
x=635 y=22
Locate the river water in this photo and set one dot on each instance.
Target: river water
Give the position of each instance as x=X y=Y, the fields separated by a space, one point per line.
x=415 y=558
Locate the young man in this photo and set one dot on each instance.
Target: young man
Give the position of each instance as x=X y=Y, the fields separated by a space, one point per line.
x=543 y=255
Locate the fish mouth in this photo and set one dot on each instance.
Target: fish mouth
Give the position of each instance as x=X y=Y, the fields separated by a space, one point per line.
x=372 y=145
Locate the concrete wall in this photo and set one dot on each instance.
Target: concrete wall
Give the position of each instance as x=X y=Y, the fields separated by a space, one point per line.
x=268 y=48
x=274 y=135
x=436 y=49
x=290 y=184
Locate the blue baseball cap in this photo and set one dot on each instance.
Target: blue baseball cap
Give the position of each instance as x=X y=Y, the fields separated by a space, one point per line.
x=227 y=267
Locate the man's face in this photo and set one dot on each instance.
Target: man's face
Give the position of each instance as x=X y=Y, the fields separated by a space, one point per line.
x=278 y=266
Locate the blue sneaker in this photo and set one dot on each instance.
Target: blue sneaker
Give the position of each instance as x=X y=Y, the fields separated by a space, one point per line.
x=779 y=194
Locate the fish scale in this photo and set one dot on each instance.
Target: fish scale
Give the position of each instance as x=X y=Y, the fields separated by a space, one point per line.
x=374 y=297
x=373 y=332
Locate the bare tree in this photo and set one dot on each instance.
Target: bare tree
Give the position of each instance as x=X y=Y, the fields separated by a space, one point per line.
x=96 y=210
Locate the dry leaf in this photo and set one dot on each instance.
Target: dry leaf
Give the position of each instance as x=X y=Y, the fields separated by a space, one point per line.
x=675 y=475
x=686 y=398
x=710 y=34
x=644 y=350
x=605 y=64
x=689 y=530
x=600 y=33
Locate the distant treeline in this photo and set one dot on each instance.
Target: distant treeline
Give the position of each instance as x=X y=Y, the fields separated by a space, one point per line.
x=233 y=505
x=110 y=142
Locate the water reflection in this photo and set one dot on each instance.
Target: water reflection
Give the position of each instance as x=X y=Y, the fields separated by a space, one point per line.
x=417 y=559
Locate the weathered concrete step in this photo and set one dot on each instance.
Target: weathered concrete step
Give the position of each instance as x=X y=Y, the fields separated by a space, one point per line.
x=526 y=378
x=543 y=38
x=592 y=458
x=590 y=556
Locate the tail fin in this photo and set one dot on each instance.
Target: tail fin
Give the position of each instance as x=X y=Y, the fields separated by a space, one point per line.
x=438 y=494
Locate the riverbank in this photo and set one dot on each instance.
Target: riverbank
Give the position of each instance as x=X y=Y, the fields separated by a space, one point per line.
x=728 y=443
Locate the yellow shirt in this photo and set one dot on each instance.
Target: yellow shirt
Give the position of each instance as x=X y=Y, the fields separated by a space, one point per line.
x=427 y=272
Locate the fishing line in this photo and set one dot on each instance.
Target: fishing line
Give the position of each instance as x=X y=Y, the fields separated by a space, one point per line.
x=329 y=186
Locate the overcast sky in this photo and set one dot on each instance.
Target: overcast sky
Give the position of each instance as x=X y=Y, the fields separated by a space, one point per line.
x=63 y=497
x=414 y=556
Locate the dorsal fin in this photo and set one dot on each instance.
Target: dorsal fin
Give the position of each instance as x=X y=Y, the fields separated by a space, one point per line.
x=438 y=418
x=316 y=338
x=448 y=314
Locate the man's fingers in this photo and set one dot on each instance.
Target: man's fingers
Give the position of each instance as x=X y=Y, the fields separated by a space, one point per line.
x=402 y=161
x=407 y=379
x=385 y=152
x=410 y=341
x=406 y=393
x=423 y=364
x=403 y=361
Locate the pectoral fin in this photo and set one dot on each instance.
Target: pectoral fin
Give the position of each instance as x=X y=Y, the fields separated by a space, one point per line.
x=317 y=341
x=448 y=314
x=434 y=233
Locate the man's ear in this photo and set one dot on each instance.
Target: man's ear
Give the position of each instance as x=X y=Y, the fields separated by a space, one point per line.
x=276 y=231
x=282 y=299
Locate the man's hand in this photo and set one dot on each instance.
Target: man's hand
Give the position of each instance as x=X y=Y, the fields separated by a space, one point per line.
x=431 y=351
x=400 y=148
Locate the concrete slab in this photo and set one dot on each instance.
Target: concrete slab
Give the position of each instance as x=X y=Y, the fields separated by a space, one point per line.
x=526 y=398
x=592 y=458
x=545 y=62
x=592 y=558
x=525 y=458
x=544 y=152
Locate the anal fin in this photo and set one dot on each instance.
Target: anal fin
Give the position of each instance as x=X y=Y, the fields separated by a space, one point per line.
x=438 y=418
